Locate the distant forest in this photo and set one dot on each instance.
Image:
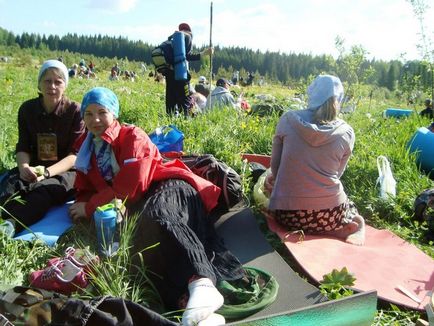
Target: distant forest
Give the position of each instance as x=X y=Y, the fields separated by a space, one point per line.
x=276 y=66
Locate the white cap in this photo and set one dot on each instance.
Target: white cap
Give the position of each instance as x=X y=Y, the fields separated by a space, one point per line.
x=322 y=88
x=54 y=64
x=202 y=79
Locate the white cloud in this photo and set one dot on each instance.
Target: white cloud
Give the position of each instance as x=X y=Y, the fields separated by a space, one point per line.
x=48 y=24
x=122 y=6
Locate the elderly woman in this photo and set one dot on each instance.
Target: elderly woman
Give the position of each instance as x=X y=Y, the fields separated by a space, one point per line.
x=48 y=126
x=310 y=151
x=120 y=162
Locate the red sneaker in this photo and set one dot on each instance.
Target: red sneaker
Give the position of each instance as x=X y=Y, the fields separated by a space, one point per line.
x=63 y=277
x=79 y=257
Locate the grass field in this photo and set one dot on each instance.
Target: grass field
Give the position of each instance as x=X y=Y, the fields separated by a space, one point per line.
x=225 y=134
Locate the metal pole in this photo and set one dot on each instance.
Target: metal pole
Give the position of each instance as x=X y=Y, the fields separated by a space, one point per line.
x=210 y=55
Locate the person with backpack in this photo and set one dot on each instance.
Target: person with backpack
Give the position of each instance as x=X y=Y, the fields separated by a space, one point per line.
x=117 y=161
x=310 y=152
x=178 y=97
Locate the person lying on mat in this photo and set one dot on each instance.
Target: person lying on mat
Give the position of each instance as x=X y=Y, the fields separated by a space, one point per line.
x=310 y=151
x=44 y=177
x=117 y=161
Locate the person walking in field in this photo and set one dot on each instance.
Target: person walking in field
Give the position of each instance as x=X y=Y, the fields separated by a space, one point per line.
x=178 y=96
x=44 y=177
x=310 y=152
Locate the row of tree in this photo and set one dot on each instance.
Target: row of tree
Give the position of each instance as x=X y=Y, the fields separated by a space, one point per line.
x=352 y=65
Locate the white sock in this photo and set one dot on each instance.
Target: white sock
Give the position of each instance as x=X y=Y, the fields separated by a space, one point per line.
x=213 y=320
x=204 y=300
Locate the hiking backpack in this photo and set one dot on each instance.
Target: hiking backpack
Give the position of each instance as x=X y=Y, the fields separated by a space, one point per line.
x=217 y=172
x=162 y=56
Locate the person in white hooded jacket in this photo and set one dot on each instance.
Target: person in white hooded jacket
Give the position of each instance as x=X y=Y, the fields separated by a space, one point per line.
x=310 y=151
x=221 y=96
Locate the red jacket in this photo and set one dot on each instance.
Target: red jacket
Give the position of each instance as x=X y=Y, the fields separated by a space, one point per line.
x=140 y=164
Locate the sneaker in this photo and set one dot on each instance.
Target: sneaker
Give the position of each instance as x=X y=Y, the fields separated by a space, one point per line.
x=63 y=277
x=7 y=228
x=82 y=258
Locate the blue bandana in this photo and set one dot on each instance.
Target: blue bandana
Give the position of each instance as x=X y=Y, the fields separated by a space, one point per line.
x=101 y=96
x=106 y=98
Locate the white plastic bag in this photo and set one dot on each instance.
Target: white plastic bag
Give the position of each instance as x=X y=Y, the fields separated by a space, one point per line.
x=258 y=190
x=385 y=178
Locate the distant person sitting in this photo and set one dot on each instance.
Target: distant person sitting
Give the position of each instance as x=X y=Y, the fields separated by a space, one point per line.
x=199 y=102
x=250 y=78
x=221 y=96
x=116 y=69
x=113 y=75
x=235 y=77
x=202 y=87
x=73 y=71
x=428 y=111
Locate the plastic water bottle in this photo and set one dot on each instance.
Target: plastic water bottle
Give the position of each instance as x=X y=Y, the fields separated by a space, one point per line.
x=105 y=223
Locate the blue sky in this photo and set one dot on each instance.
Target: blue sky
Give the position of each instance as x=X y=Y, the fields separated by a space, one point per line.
x=385 y=28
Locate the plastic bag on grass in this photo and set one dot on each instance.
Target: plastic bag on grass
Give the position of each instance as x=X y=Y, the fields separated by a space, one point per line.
x=385 y=178
x=259 y=194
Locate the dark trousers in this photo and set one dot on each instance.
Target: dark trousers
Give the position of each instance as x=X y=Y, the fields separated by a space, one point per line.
x=38 y=198
x=177 y=94
x=174 y=217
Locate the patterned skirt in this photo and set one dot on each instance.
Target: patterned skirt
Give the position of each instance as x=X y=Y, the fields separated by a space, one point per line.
x=316 y=221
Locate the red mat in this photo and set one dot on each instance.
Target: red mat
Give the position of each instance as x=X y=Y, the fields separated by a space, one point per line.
x=384 y=263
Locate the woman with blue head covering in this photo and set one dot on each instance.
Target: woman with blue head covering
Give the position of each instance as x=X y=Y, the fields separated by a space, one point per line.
x=118 y=161
x=310 y=151
x=48 y=126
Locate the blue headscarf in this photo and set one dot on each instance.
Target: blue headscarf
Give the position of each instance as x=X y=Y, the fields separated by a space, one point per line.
x=101 y=96
x=106 y=98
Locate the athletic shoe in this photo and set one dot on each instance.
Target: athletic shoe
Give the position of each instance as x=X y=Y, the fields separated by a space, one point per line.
x=7 y=228
x=63 y=277
x=82 y=258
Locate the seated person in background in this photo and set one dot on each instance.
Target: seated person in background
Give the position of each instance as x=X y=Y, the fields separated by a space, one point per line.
x=221 y=96
x=310 y=151
x=159 y=78
x=113 y=75
x=428 y=111
x=199 y=101
x=91 y=66
x=73 y=71
x=48 y=126
x=235 y=77
x=120 y=162
x=202 y=87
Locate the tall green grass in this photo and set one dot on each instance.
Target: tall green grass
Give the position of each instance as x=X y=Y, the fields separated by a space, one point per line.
x=226 y=134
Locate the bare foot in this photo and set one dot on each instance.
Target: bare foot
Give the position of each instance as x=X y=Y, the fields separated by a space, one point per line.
x=353 y=232
x=358 y=237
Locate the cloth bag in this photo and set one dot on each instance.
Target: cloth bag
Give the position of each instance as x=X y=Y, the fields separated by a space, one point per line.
x=385 y=180
x=168 y=139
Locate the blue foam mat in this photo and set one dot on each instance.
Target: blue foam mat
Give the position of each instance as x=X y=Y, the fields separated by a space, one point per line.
x=50 y=228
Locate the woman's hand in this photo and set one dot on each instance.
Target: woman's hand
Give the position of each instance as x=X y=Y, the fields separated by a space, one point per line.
x=269 y=184
x=28 y=173
x=77 y=211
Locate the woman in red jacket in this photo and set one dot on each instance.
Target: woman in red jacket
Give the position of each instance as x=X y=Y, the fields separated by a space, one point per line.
x=120 y=162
